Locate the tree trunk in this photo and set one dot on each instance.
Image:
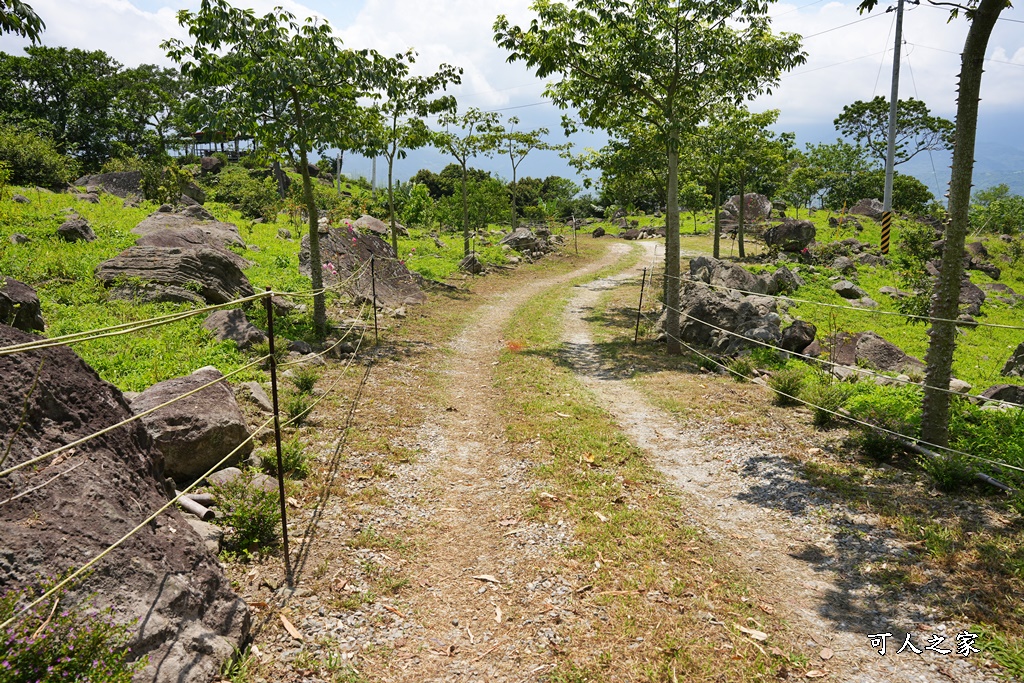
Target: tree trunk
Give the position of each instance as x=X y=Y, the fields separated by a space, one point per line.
x=718 y=220
x=465 y=213
x=391 y=203
x=743 y=206
x=316 y=272
x=672 y=282
x=515 y=214
x=946 y=297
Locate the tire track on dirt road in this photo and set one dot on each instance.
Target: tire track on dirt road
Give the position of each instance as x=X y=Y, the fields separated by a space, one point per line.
x=737 y=492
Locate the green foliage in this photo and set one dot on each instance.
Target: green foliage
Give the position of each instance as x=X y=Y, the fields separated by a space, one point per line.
x=419 y=209
x=788 y=383
x=826 y=398
x=76 y=643
x=913 y=251
x=765 y=358
x=994 y=434
x=894 y=408
x=305 y=378
x=908 y=193
x=255 y=192
x=252 y=514
x=293 y=457
x=867 y=123
x=741 y=368
x=949 y=473
x=20 y=19
x=297 y=407
x=33 y=159
x=5 y=179
x=995 y=210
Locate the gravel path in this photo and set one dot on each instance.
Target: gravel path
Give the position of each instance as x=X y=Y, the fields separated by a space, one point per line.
x=803 y=544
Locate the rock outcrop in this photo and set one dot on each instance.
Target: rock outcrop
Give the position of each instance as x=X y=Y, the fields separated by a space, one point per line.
x=76 y=229
x=231 y=324
x=162 y=581
x=1015 y=364
x=790 y=235
x=196 y=432
x=175 y=274
x=19 y=306
x=868 y=348
x=349 y=252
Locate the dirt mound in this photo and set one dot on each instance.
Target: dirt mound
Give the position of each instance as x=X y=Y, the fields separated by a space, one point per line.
x=163 y=580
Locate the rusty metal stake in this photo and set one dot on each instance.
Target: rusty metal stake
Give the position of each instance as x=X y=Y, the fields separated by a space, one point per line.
x=639 y=308
x=373 y=288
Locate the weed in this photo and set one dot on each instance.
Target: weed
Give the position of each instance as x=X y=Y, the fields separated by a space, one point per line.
x=767 y=359
x=239 y=669
x=787 y=384
x=52 y=643
x=297 y=406
x=826 y=400
x=262 y=349
x=293 y=457
x=950 y=473
x=741 y=368
x=252 y=513
x=305 y=378
x=372 y=539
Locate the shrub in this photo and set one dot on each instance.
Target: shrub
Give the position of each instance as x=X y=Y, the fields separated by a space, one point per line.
x=34 y=160
x=297 y=407
x=826 y=399
x=741 y=368
x=764 y=358
x=787 y=384
x=261 y=349
x=254 y=515
x=293 y=457
x=74 y=643
x=897 y=409
x=950 y=473
x=256 y=195
x=304 y=378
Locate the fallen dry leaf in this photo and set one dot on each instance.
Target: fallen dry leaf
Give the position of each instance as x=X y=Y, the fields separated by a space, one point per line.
x=776 y=651
x=815 y=673
x=753 y=633
x=486 y=577
x=497 y=614
x=766 y=607
x=288 y=626
x=600 y=516
x=291 y=501
x=826 y=654
x=561 y=414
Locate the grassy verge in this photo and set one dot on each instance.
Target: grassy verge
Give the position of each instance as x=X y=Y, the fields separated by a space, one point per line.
x=657 y=578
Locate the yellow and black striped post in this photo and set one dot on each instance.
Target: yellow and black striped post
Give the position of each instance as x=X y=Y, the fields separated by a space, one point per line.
x=886 y=226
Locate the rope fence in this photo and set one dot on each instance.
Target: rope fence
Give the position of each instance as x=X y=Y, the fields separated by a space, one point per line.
x=275 y=419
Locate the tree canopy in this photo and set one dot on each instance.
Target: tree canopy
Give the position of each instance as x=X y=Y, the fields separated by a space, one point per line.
x=19 y=18
x=867 y=124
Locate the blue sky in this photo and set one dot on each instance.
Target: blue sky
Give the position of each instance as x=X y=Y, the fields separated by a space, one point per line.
x=849 y=58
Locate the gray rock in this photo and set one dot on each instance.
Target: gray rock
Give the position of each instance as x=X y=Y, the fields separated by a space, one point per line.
x=750 y=317
x=471 y=264
x=873 y=350
x=76 y=229
x=299 y=346
x=894 y=292
x=735 y=276
x=222 y=234
x=848 y=290
x=284 y=233
x=88 y=197
x=224 y=476
x=195 y=432
x=231 y=324
x=19 y=199
x=959 y=386
x=598 y=232
x=798 y=336
x=522 y=240
x=121 y=184
x=174 y=274
x=844 y=265
x=255 y=392
x=784 y=281
x=790 y=235
x=371 y=224
x=189 y=238
x=1015 y=364
x=19 y=238
x=872 y=208
x=864 y=302
x=209 y=534
x=1010 y=393
x=163 y=584
x=210 y=165
x=19 y=306
x=756 y=207
x=870 y=260
x=971 y=293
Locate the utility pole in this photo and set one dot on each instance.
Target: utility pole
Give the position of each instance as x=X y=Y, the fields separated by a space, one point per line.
x=373 y=178
x=890 y=152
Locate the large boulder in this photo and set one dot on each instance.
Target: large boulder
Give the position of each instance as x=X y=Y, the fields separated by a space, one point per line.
x=349 y=253
x=784 y=281
x=196 y=432
x=735 y=276
x=189 y=238
x=756 y=207
x=19 y=306
x=231 y=324
x=725 y=321
x=522 y=240
x=218 y=233
x=798 y=336
x=210 y=165
x=162 y=581
x=1015 y=364
x=175 y=274
x=872 y=208
x=76 y=229
x=371 y=224
x=868 y=348
x=1010 y=393
x=790 y=235
x=848 y=290
x=122 y=184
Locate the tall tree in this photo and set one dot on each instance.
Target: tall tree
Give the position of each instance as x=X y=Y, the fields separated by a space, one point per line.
x=632 y=165
x=867 y=123
x=664 y=62
x=150 y=98
x=476 y=135
x=517 y=145
x=290 y=85
x=983 y=15
x=398 y=125
x=18 y=18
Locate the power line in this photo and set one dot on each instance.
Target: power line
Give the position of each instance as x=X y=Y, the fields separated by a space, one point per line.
x=836 y=28
x=829 y=66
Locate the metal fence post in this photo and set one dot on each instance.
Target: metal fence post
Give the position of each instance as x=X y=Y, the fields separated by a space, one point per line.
x=277 y=435
x=639 y=307
x=373 y=288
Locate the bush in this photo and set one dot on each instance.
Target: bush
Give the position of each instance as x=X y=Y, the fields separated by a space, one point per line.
x=293 y=457
x=34 y=160
x=254 y=515
x=77 y=643
x=950 y=473
x=897 y=409
x=257 y=196
x=741 y=368
x=787 y=384
x=826 y=400
x=304 y=378
x=297 y=407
